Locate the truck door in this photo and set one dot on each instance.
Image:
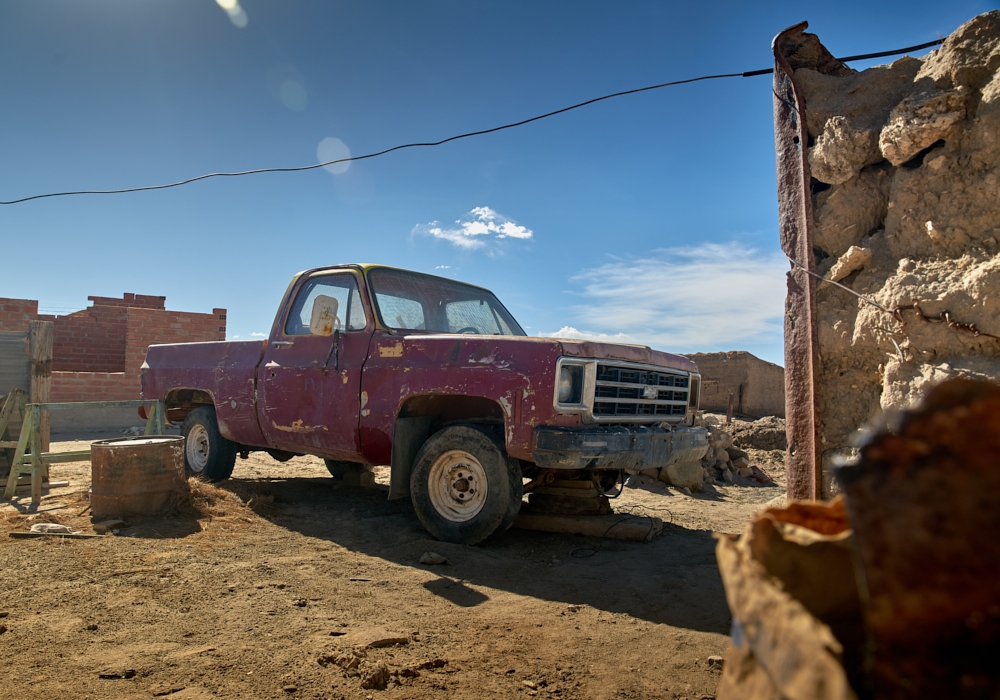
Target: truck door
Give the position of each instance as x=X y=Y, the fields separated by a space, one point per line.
x=309 y=385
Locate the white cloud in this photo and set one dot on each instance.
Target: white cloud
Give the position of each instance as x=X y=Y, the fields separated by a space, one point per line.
x=258 y=335
x=684 y=299
x=478 y=228
x=442 y=267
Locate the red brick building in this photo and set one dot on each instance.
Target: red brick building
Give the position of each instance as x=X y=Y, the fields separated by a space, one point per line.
x=97 y=352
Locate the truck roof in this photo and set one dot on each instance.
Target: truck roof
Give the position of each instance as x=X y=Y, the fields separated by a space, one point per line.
x=365 y=267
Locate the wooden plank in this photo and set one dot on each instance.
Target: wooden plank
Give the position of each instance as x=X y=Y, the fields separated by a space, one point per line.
x=15 y=465
x=39 y=472
x=26 y=481
x=60 y=457
x=40 y=354
x=619 y=527
x=66 y=535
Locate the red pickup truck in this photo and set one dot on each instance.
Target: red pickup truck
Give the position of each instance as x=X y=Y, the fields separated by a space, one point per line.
x=369 y=365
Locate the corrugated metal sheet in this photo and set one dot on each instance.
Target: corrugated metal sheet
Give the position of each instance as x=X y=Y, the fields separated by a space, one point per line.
x=15 y=369
x=14 y=364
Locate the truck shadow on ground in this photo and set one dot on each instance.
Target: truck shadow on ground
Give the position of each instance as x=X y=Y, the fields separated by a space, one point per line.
x=672 y=580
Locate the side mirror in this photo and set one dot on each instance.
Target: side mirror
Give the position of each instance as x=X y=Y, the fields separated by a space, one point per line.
x=324 y=319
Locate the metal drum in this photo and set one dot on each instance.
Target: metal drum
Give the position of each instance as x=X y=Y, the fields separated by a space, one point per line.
x=135 y=476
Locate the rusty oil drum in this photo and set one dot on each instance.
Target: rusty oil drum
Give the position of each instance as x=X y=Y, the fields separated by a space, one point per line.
x=135 y=476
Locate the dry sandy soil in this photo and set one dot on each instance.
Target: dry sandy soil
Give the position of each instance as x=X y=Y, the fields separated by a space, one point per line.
x=272 y=584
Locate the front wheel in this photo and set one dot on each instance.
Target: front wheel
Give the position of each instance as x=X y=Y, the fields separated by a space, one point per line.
x=206 y=453
x=464 y=487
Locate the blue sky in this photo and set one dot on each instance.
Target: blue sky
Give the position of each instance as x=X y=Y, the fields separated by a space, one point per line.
x=650 y=218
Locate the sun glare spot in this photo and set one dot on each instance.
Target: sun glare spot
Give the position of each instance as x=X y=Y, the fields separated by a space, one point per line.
x=333 y=149
x=293 y=95
x=236 y=14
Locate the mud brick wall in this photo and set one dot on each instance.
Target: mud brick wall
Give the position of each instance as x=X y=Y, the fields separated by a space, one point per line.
x=758 y=387
x=905 y=167
x=16 y=313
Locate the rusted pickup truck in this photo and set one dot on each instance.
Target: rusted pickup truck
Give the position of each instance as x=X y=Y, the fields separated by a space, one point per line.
x=372 y=365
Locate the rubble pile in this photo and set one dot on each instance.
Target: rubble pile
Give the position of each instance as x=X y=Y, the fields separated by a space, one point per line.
x=767 y=433
x=725 y=460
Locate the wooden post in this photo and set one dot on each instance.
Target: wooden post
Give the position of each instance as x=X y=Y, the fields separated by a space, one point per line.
x=729 y=409
x=40 y=350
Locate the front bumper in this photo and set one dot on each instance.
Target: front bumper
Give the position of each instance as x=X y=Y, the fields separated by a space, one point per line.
x=617 y=447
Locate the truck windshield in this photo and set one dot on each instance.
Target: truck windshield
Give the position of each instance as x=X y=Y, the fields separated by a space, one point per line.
x=412 y=301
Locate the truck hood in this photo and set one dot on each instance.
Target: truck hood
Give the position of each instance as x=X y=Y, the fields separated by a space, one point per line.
x=577 y=348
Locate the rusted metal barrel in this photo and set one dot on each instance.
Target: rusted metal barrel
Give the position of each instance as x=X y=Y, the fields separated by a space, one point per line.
x=135 y=476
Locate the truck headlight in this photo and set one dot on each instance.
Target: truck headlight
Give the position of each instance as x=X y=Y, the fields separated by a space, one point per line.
x=570 y=384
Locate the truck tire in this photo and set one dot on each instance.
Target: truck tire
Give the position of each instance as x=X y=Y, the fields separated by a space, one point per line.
x=207 y=454
x=338 y=468
x=464 y=487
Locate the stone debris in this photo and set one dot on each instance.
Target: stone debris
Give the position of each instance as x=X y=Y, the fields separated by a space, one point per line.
x=726 y=461
x=685 y=475
x=50 y=527
x=375 y=678
x=715 y=662
x=853 y=260
x=432 y=559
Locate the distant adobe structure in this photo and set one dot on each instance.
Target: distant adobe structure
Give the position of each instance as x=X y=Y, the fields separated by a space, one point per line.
x=757 y=386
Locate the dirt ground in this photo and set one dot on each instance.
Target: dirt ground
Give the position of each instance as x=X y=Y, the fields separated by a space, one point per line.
x=283 y=582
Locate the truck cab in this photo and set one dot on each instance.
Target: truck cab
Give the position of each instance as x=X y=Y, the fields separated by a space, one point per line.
x=374 y=365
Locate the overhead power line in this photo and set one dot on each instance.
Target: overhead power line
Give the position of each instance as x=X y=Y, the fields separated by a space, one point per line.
x=376 y=154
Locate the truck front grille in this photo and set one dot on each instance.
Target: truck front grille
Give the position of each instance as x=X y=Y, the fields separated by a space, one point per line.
x=635 y=392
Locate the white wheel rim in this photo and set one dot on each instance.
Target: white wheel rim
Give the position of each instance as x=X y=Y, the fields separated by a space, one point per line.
x=196 y=449
x=457 y=486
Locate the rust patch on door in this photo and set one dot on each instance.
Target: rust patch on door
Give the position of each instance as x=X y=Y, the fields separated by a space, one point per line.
x=390 y=350
x=298 y=427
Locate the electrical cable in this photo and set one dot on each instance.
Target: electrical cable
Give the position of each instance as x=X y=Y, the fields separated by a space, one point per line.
x=482 y=132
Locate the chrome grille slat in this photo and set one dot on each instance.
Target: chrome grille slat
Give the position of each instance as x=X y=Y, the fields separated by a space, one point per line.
x=619 y=392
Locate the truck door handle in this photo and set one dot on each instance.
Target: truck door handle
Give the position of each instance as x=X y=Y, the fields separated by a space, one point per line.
x=276 y=343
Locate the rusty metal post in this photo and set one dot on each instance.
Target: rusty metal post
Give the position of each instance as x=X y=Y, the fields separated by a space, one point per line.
x=791 y=140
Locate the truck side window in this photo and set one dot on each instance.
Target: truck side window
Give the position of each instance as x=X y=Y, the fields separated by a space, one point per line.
x=343 y=287
x=401 y=313
x=475 y=314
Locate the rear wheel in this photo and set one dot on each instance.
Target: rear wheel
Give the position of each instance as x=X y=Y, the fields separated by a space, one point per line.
x=206 y=453
x=464 y=487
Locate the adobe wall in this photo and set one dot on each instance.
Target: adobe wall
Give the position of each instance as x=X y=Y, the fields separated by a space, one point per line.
x=905 y=161
x=758 y=387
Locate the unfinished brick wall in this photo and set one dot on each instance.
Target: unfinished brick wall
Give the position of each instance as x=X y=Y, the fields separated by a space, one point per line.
x=93 y=386
x=92 y=340
x=155 y=327
x=98 y=352
x=758 y=387
x=16 y=313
